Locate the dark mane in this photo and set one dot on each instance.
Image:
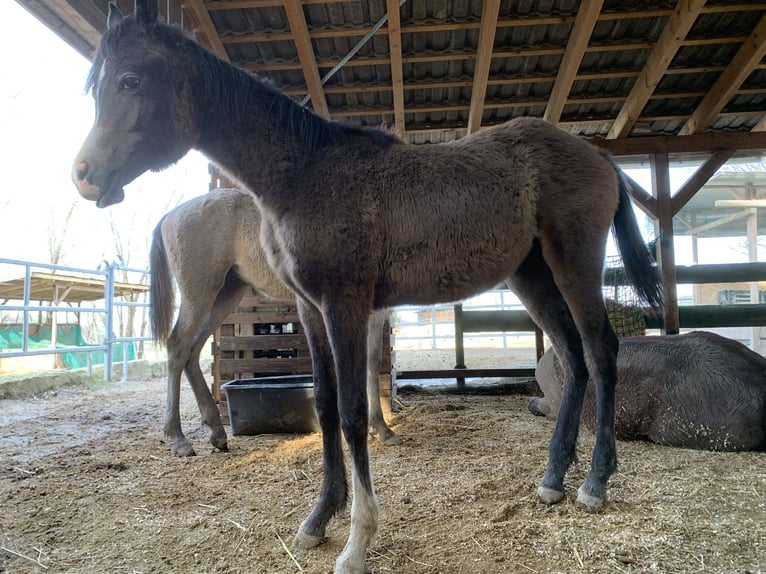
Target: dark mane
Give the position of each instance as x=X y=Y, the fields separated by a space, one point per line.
x=227 y=85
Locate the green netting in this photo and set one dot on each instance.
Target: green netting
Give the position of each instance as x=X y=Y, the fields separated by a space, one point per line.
x=623 y=306
x=11 y=338
x=78 y=360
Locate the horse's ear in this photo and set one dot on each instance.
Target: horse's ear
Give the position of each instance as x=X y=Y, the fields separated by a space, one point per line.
x=147 y=12
x=114 y=16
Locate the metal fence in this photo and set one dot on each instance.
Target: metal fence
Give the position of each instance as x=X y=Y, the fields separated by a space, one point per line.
x=19 y=299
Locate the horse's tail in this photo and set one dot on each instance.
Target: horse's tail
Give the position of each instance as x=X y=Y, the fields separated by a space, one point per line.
x=637 y=261
x=161 y=293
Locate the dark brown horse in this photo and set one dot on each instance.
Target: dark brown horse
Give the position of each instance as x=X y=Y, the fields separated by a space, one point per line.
x=211 y=246
x=355 y=220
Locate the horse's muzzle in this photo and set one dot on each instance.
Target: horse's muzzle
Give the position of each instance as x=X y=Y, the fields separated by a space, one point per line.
x=79 y=174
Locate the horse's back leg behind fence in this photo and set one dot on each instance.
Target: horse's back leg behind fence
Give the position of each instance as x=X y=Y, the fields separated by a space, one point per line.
x=374 y=360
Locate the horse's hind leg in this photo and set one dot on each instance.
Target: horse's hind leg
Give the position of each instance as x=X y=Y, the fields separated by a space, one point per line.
x=578 y=274
x=227 y=300
x=179 y=347
x=534 y=285
x=334 y=491
x=374 y=358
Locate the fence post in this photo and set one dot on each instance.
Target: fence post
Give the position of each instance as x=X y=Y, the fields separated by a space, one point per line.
x=27 y=297
x=109 y=320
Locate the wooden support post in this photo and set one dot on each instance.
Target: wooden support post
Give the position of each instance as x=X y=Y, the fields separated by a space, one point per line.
x=665 y=253
x=459 y=347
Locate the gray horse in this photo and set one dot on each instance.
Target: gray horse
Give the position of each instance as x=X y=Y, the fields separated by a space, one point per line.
x=697 y=390
x=354 y=220
x=211 y=246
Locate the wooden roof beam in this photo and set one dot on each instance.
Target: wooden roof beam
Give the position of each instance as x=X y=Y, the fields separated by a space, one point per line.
x=675 y=31
x=744 y=62
x=395 y=52
x=570 y=61
x=489 y=15
x=297 y=20
x=203 y=26
x=697 y=143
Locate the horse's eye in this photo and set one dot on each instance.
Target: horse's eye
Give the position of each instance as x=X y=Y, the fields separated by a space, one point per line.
x=130 y=82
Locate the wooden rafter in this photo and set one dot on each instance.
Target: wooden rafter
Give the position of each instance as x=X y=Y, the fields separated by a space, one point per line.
x=203 y=26
x=700 y=177
x=395 y=52
x=297 y=20
x=489 y=15
x=675 y=31
x=760 y=126
x=747 y=58
x=570 y=61
x=697 y=143
x=448 y=56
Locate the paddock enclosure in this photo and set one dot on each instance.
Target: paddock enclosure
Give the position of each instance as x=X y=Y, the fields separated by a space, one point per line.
x=99 y=492
x=86 y=479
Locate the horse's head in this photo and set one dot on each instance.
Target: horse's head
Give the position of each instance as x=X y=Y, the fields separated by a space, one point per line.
x=142 y=88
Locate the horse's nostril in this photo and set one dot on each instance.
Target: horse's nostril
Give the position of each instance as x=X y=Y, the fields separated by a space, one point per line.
x=81 y=169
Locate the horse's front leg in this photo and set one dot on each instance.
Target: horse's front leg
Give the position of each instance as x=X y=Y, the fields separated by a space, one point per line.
x=346 y=328
x=374 y=359
x=334 y=491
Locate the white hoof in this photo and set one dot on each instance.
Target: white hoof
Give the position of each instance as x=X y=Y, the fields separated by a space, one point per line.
x=590 y=502
x=344 y=566
x=307 y=541
x=549 y=496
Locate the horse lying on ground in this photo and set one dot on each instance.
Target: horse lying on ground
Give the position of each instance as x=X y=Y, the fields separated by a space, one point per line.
x=697 y=390
x=354 y=220
x=211 y=246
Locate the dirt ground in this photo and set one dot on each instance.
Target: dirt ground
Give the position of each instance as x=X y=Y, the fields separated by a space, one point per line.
x=88 y=485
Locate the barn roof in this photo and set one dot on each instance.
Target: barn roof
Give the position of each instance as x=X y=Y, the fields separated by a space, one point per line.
x=437 y=69
x=60 y=288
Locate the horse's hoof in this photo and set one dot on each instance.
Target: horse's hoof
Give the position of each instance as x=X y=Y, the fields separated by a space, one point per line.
x=538 y=407
x=219 y=442
x=590 y=502
x=183 y=448
x=343 y=566
x=306 y=541
x=391 y=439
x=549 y=496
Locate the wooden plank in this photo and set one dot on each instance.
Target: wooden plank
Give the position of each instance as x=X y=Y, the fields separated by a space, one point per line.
x=466 y=373
x=395 y=52
x=263 y=317
x=666 y=260
x=570 y=61
x=489 y=16
x=708 y=316
x=263 y=343
x=744 y=62
x=299 y=28
x=696 y=143
x=700 y=177
x=285 y=366
x=671 y=39
x=203 y=26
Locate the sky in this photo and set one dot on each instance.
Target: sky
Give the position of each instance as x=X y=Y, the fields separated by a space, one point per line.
x=44 y=118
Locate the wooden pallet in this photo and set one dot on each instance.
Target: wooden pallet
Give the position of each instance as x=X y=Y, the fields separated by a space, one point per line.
x=265 y=338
